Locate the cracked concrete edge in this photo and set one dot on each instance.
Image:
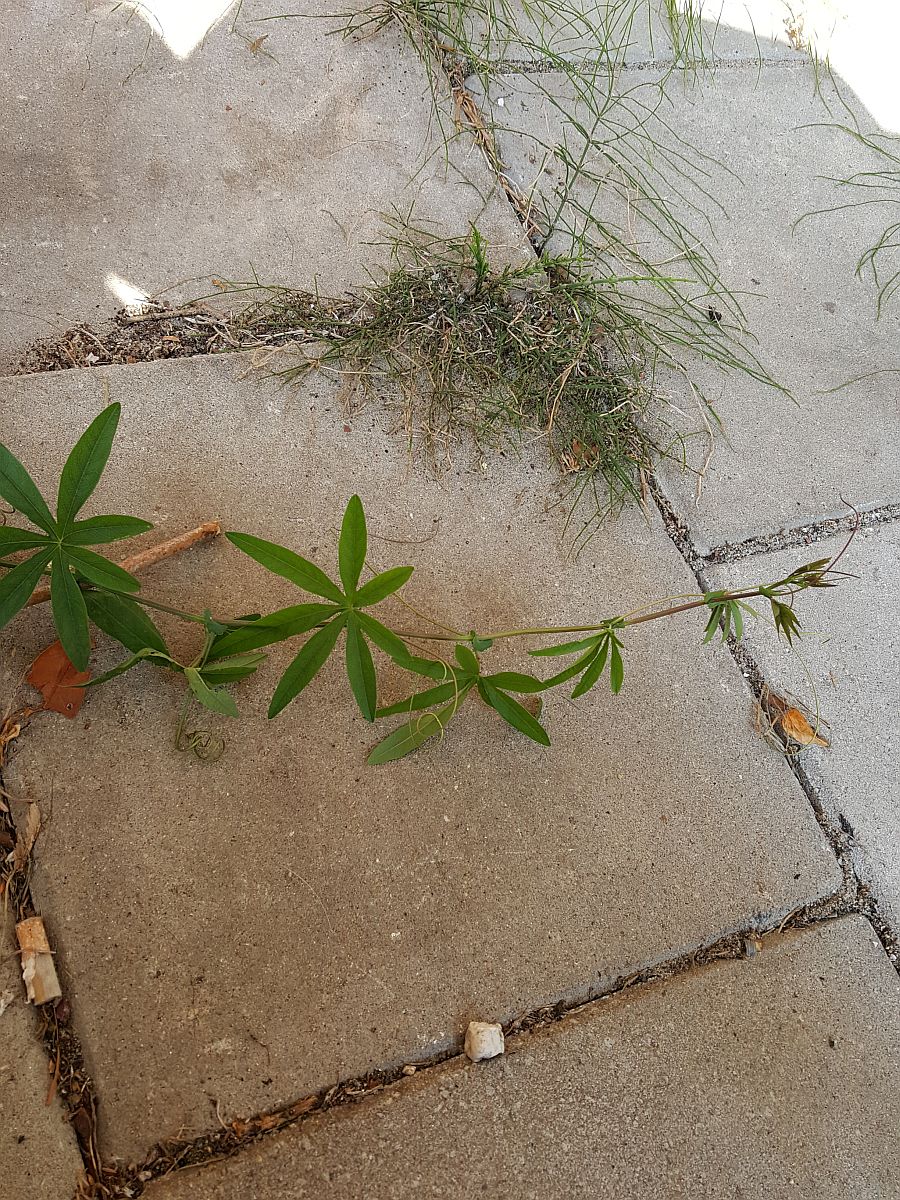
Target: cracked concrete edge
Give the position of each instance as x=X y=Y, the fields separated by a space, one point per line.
x=169 y=1157
x=806 y=534
x=858 y=890
x=76 y=1095
x=662 y=66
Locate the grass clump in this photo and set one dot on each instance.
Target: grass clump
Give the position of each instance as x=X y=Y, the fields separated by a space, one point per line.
x=523 y=352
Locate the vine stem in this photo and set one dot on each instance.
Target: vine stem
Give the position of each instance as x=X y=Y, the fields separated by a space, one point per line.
x=549 y=631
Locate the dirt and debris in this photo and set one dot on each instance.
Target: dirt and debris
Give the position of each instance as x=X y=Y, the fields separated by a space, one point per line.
x=69 y=1079
x=124 y=338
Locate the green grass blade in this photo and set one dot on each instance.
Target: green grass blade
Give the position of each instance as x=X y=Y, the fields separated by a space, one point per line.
x=139 y=657
x=85 y=464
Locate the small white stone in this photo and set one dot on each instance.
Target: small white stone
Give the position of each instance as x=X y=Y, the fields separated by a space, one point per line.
x=483 y=1040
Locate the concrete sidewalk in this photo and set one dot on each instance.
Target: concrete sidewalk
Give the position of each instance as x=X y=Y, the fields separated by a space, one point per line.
x=689 y=936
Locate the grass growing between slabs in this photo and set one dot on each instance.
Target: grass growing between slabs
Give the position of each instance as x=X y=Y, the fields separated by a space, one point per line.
x=580 y=346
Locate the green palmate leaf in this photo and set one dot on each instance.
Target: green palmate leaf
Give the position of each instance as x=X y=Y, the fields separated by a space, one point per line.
x=12 y=539
x=276 y=627
x=513 y=713
x=306 y=665
x=466 y=659
x=360 y=669
x=69 y=612
x=145 y=655
x=415 y=732
x=352 y=545
x=431 y=696
x=18 y=584
x=515 y=681
x=381 y=586
x=123 y=619
x=281 y=561
x=594 y=669
x=85 y=464
x=229 y=670
x=568 y=647
x=19 y=489
x=100 y=570
x=95 y=531
x=216 y=701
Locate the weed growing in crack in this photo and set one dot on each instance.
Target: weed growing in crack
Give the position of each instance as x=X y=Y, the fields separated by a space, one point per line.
x=613 y=188
x=528 y=351
x=86 y=588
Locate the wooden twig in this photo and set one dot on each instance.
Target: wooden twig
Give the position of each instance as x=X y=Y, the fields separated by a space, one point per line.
x=152 y=555
x=38 y=972
x=162 y=314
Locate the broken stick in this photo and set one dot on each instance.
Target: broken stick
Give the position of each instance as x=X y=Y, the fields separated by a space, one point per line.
x=38 y=971
x=152 y=555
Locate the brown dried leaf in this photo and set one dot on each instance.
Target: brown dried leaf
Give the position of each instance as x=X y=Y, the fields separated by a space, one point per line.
x=56 y=679
x=26 y=837
x=798 y=729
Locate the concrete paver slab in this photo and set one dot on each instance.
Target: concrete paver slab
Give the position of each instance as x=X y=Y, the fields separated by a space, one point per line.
x=847 y=669
x=765 y=1079
x=238 y=934
x=122 y=160
x=779 y=463
x=39 y=1157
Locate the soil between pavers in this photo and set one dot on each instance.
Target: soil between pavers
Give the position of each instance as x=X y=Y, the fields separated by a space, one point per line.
x=39 y=1158
x=235 y=935
x=280 y=163
x=780 y=463
x=846 y=670
x=763 y=1079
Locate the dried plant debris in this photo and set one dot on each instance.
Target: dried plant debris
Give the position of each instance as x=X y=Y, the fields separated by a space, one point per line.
x=53 y=675
x=789 y=723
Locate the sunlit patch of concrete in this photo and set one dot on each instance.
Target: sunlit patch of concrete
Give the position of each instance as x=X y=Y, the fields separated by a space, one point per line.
x=181 y=24
x=130 y=297
x=858 y=38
